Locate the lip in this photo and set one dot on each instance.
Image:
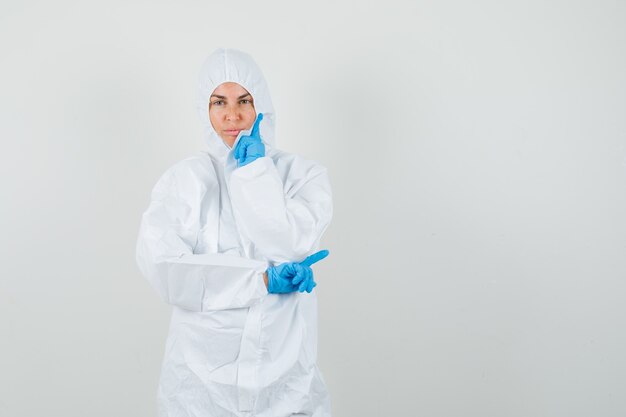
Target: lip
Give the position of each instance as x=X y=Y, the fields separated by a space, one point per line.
x=232 y=132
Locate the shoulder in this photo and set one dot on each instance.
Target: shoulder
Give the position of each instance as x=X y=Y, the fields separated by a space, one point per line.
x=295 y=166
x=187 y=174
x=299 y=173
x=193 y=166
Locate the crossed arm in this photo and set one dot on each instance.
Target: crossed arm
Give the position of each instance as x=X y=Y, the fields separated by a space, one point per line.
x=285 y=227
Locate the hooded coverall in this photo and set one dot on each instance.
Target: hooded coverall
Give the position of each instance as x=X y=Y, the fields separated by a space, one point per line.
x=210 y=232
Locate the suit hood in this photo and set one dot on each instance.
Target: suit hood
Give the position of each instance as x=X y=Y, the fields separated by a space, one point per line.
x=231 y=65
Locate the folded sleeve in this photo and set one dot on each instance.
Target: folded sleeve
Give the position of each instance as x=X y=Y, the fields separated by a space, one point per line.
x=196 y=282
x=284 y=217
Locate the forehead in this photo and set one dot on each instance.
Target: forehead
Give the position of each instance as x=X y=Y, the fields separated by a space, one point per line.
x=230 y=89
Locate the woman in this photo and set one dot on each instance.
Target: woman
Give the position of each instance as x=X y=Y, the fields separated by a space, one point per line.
x=228 y=240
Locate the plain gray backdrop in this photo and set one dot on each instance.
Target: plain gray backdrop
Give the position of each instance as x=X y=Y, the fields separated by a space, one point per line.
x=477 y=153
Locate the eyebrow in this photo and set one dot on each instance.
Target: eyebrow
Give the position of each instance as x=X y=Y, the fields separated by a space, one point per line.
x=223 y=98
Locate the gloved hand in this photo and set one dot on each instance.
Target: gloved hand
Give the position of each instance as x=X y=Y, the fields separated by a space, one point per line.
x=293 y=276
x=250 y=147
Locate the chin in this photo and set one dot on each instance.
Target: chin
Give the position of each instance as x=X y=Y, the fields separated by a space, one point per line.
x=229 y=140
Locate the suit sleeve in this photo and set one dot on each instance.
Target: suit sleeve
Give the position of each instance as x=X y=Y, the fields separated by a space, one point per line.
x=285 y=225
x=196 y=282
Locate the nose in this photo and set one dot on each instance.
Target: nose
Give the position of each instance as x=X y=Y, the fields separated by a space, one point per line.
x=232 y=114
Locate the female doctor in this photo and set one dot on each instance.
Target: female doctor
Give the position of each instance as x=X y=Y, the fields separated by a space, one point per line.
x=228 y=240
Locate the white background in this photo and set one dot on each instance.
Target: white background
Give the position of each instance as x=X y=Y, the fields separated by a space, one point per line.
x=477 y=153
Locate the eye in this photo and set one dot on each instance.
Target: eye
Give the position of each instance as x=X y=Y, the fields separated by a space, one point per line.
x=245 y=101
x=218 y=102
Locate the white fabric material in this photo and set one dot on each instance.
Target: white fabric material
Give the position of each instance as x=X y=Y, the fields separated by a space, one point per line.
x=209 y=233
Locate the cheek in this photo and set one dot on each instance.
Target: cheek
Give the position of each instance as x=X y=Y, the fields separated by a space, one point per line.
x=251 y=117
x=213 y=117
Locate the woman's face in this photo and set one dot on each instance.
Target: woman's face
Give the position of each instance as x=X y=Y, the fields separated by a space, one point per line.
x=231 y=109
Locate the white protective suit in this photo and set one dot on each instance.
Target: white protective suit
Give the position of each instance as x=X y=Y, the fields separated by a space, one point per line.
x=210 y=232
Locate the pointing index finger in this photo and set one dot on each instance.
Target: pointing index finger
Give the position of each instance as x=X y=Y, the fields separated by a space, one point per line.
x=318 y=256
x=255 y=128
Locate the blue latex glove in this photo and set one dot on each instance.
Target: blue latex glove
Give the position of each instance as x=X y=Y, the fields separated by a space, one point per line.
x=293 y=276
x=250 y=147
